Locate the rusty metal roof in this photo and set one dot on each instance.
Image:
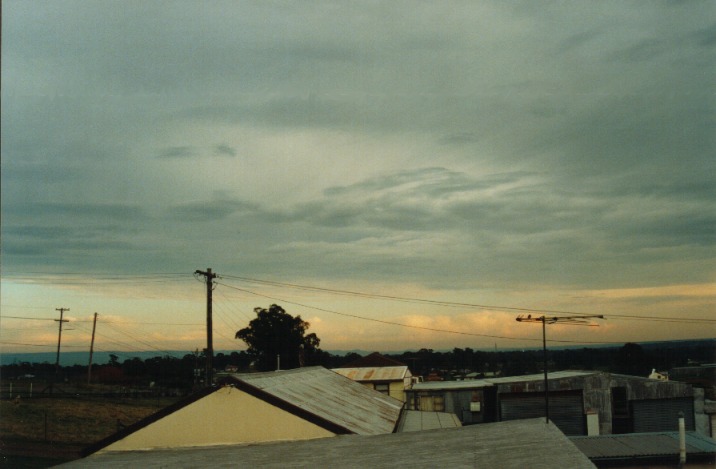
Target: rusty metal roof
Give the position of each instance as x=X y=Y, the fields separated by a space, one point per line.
x=331 y=397
x=375 y=373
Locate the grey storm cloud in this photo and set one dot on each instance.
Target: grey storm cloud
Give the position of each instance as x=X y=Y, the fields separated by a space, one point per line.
x=498 y=141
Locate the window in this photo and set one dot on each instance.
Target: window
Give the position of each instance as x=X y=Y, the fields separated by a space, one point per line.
x=431 y=403
x=476 y=401
x=383 y=388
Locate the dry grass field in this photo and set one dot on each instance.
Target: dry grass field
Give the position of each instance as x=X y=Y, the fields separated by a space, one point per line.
x=39 y=432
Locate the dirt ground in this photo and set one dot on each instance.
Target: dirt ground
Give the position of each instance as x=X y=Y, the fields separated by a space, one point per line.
x=41 y=432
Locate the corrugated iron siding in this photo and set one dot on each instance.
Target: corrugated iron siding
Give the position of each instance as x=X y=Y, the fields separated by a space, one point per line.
x=566 y=409
x=662 y=415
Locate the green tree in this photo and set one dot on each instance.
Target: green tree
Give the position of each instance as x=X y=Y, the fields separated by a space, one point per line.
x=631 y=359
x=275 y=333
x=113 y=360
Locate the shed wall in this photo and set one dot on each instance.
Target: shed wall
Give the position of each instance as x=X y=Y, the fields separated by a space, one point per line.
x=227 y=416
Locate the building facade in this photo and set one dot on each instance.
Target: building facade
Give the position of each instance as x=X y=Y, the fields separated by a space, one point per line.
x=580 y=403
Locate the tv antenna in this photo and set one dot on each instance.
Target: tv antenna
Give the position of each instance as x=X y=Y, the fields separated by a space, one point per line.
x=572 y=320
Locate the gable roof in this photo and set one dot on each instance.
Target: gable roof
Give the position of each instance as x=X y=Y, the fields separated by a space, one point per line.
x=315 y=394
x=329 y=396
x=376 y=373
x=513 y=444
x=373 y=360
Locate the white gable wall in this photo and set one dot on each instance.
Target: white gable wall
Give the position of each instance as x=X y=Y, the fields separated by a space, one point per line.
x=227 y=416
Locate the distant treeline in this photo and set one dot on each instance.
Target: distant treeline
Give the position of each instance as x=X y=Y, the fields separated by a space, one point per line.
x=188 y=371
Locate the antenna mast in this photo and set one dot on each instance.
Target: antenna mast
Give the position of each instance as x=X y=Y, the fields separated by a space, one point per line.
x=575 y=320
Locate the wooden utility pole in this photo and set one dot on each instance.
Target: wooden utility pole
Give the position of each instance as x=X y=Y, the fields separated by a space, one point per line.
x=59 y=337
x=89 y=366
x=209 y=276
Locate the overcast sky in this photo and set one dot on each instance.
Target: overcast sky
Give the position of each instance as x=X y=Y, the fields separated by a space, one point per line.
x=540 y=155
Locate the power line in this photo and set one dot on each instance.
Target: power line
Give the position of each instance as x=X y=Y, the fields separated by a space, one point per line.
x=453 y=304
x=24 y=317
x=108 y=321
x=392 y=323
x=174 y=276
x=38 y=345
x=35 y=274
x=229 y=301
x=150 y=323
x=129 y=345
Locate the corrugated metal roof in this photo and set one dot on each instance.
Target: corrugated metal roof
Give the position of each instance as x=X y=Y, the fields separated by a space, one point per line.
x=375 y=373
x=330 y=396
x=416 y=420
x=634 y=445
x=486 y=382
x=467 y=384
x=540 y=376
x=515 y=444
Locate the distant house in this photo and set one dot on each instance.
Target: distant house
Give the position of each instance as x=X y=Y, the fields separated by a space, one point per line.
x=580 y=402
x=657 y=375
x=304 y=403
x=381 y=373
x=517 y=444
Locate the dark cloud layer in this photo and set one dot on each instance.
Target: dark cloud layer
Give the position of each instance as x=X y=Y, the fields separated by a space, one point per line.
x=455 y=145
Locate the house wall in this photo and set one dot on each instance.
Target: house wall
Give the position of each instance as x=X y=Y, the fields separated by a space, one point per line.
x=463 y=403
x=596 y=392
x=227 y=416
x=397 y=390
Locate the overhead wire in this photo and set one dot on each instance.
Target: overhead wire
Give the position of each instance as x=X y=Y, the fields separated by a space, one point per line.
x=393 y=323
x=226 y=310
x=453 y=304
x=37 y=345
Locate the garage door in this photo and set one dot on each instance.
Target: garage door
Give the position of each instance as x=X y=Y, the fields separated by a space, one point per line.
x=662 y=415
x=566 y=409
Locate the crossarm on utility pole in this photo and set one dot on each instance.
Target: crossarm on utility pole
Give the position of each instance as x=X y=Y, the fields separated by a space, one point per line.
x=209 y=276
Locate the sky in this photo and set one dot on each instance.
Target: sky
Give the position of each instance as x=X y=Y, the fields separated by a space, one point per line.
x=402 y=174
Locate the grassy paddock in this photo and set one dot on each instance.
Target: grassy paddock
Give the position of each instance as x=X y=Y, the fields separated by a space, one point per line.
x=47 y=430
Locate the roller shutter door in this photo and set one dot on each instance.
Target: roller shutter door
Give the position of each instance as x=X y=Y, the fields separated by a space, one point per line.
x=566 y=409
x=662 y=415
